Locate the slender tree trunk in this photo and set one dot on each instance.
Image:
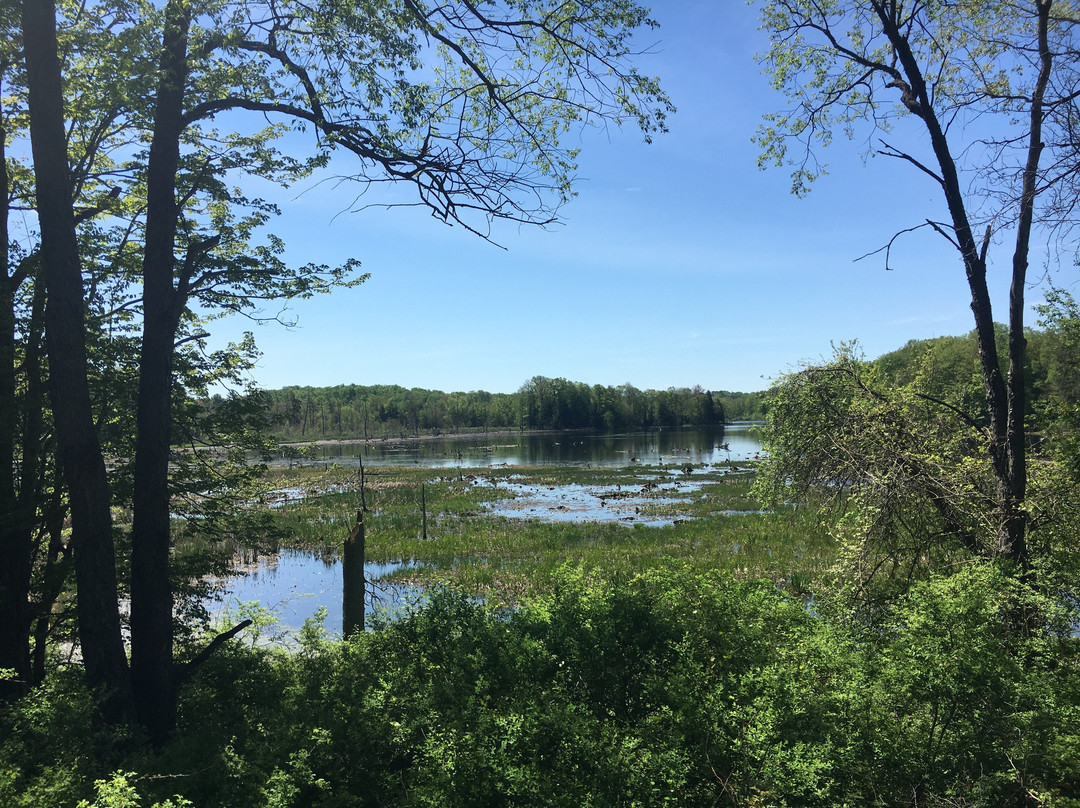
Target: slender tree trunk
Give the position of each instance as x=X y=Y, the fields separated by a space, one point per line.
x=34 y=495
x=21 y=497
x=57 y=570
x=153 y=672
x=84 y=464
x=15 y=550
x=15 y=534
x=1005 y=400
x=14 y=541
x=151 y=592
x=363 y=484
x=1013 y=542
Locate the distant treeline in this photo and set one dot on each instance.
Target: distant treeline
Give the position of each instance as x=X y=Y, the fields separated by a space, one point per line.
x=743 y=406
x=359 y=411
x=372 y=411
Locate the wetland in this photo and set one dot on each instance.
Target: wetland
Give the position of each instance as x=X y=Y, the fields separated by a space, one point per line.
x=499 y=518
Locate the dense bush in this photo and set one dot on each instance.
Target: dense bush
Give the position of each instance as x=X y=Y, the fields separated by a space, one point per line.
x=668 y=689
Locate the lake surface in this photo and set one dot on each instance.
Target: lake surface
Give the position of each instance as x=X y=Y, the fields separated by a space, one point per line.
x=577 y=502
x=714 y=445
x=295 y=585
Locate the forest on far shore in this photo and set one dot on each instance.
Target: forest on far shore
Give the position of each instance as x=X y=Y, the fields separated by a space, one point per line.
x=356 y=411
x=372 y=411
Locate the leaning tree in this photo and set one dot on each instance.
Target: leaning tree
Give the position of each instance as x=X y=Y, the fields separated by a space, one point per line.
x=979 y=96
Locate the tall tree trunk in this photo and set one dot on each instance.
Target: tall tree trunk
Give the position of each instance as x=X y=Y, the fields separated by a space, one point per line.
x=1013 y=541
x=15 y=540
x=15 y=537
x=22 y=496
x=57 y=563
x=1005 y=400
x=152 y=669
x=41 y=510
x=154 y=674
x=65 y=323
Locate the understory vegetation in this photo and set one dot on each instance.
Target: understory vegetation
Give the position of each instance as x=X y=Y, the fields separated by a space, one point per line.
x=715 y=660
x=677 y=687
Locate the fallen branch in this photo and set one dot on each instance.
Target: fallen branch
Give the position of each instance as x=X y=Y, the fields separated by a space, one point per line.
x=185 y=670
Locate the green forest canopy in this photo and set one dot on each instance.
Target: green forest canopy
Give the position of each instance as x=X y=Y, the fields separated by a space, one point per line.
x=365 y=411
x=362 y=411
x=140 y=187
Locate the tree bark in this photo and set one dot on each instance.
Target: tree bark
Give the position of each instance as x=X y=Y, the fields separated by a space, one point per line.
x=78 y=445
x=24 y=496
x=1013 y=541
x=1005 y=400
x=14 y=541
x=154 y=676
x=352 y=573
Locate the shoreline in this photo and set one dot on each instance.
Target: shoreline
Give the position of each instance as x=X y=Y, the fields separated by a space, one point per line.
x=487 y=433
x=425 y=438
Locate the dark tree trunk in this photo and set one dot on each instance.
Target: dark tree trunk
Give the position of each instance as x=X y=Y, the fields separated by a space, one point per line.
x=1014 y=536
x=22 y=496
x=16 y=536
x=154 y=675
x=84 y=465
x=151 y=592
x=15 y=547
x=34 y=496
x=57 y=570
x=1005 y=400
x=352 y=573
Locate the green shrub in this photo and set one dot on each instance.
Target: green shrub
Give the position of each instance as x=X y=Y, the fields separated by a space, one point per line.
x=672 y=688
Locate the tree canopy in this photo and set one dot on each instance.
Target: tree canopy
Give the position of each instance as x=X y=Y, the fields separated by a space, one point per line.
x=363 y=411
x=147 y=122
x=979 y=98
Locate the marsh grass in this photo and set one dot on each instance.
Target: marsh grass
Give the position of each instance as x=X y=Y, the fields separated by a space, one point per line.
x=716 y=524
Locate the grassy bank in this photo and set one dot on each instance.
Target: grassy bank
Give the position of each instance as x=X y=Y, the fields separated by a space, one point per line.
x=477 y=538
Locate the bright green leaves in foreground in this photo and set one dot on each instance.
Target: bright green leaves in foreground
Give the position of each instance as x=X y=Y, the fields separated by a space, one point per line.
x=895 y=454
x=675 y=688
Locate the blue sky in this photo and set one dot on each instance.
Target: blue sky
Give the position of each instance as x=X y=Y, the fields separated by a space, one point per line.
x=679 y=263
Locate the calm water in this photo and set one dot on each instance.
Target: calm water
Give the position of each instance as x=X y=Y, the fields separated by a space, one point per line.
x=294 y=585
x=560 y=448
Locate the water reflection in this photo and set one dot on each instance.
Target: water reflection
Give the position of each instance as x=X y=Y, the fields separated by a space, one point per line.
x=578 y=502
x=734 y=442
x=294 y=585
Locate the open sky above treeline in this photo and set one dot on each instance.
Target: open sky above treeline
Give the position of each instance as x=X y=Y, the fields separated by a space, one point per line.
x=679 y=263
